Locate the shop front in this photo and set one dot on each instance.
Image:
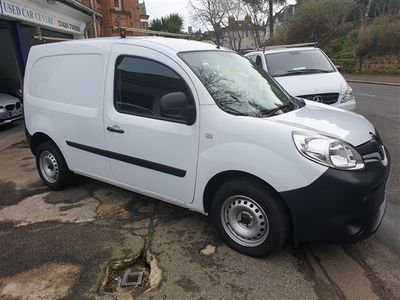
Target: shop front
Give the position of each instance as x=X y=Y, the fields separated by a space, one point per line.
x=24 y=23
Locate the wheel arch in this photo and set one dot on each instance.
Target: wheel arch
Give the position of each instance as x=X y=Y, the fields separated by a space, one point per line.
x=39 y=138
x=219 y=179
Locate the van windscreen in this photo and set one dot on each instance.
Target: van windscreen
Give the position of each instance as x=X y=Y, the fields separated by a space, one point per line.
x=237 y=85
x=297 y=62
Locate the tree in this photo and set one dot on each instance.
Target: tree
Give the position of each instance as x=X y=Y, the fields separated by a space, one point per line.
x=380 y=37
x=257 y=10
x=318 y=20
x=235 y=32
x=172 y=23
x=210 y=13
x=260 y=10
x=216 y=13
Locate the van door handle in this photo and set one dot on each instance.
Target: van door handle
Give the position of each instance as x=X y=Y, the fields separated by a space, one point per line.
x=115 y=128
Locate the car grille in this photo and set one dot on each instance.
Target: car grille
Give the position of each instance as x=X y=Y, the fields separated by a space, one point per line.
x=328 y=98
x=10 y=106
x=13 y=106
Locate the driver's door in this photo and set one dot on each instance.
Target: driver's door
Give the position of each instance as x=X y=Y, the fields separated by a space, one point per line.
x=147 y=152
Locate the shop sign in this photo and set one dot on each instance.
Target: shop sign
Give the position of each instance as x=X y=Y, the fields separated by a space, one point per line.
x=26 y=13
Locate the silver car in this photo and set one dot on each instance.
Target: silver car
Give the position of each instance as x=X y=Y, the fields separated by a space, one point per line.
x=10 y=108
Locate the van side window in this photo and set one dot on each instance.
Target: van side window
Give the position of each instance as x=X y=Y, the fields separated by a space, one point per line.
x=140 y=83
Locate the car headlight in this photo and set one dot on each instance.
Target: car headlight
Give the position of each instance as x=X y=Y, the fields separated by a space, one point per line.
x=328 y=151
x=348 y=96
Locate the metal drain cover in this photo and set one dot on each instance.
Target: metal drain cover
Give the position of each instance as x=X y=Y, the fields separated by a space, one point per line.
x=131 y=278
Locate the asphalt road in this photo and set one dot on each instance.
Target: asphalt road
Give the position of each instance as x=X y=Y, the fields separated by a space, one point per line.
x=381 y=105
x=69 y=243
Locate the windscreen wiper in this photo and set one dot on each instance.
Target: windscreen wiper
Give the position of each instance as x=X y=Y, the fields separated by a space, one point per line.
x=309 y=70
x=268 y=113
x=302 y=71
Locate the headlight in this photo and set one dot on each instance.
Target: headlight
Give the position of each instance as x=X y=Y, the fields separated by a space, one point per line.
x=348 y=96
x=328 y=151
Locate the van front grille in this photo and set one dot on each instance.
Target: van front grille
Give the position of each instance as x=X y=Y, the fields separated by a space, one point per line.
x=373 y=150
x=328 y=98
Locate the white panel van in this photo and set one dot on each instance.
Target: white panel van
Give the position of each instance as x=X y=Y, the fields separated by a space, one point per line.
x=204 y=128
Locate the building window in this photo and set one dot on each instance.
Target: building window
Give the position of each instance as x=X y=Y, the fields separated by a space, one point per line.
x=117 y=5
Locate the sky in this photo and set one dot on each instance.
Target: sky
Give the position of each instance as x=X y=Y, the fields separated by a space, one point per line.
x=161 y=8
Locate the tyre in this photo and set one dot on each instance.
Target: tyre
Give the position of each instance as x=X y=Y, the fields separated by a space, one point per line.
x=250 y=218
x=52 y=167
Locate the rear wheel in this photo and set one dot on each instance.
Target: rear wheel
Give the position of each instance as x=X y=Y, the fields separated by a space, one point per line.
x=52 y=167
x=250 y=218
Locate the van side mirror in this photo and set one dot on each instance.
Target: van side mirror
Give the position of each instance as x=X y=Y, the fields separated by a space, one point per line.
x=339 y=68
x=175 y=106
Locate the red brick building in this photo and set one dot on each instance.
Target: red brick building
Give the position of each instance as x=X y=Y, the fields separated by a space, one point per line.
x=123 y=13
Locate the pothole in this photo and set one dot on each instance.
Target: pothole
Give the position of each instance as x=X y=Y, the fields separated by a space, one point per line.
x=134 y=276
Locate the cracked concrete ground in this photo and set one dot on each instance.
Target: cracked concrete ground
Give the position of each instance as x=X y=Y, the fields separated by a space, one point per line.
x=59 y=244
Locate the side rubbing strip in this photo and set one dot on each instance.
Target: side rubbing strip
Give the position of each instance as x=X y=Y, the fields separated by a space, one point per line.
x=131 y=160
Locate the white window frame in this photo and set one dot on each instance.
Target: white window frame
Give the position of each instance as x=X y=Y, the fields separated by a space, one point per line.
x=119 y=7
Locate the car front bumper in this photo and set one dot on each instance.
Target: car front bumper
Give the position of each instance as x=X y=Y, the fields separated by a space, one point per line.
x=350 y=105
x=340 y=206
x=8 y=117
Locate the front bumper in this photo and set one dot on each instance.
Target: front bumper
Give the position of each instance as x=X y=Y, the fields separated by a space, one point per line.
x=350 y=105
x=10 y=116
x=340 y=206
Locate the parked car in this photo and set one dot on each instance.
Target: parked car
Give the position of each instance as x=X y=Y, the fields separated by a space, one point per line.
x=306 y=72
x=203 y=128
x=10 y=108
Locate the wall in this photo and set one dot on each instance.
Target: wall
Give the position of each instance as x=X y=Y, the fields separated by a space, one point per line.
x=386 y=64
x=129 y=15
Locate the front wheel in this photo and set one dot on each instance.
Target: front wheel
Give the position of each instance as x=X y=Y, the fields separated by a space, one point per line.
x=250 y=218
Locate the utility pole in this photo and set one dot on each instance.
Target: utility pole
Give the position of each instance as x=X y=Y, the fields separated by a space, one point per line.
x=271 y=18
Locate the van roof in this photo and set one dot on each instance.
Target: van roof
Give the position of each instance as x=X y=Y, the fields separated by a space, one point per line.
x=174 y=44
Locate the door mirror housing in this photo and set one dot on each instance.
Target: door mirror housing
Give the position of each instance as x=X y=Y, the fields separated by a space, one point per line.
x=175 y=106
x=339 y=68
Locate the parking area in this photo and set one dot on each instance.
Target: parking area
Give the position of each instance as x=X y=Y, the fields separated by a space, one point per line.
x=76 y=243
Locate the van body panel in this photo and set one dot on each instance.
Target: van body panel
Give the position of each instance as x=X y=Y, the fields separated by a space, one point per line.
x=169 y=144
x=346 y=125
x=64 y=100
x=250 y=145
x=298 y=85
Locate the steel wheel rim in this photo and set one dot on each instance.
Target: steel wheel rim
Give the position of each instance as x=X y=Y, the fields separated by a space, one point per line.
x=48 y=166
x=244 y=221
